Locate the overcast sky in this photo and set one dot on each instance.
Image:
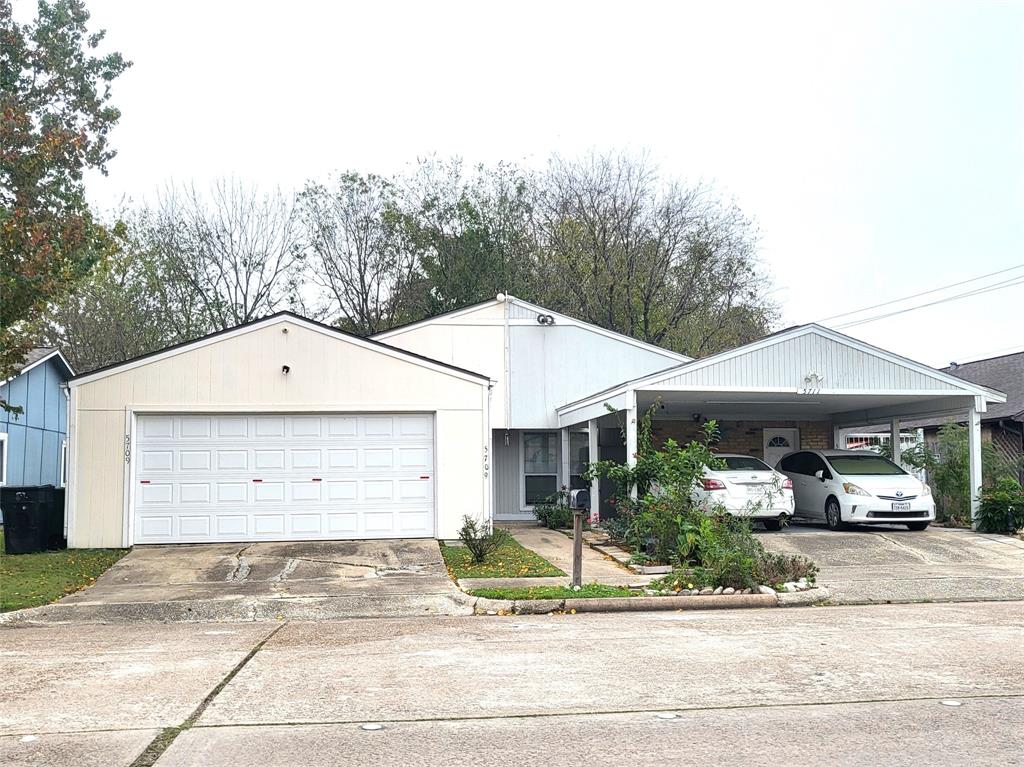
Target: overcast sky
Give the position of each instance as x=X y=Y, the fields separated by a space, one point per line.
x=880 y=147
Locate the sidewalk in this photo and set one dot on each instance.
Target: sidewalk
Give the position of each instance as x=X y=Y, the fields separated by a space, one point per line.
x=556 y=548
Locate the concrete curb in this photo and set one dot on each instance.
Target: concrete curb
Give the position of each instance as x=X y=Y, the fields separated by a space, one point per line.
x=246 y=610
x=813 y=596
x=486 y=606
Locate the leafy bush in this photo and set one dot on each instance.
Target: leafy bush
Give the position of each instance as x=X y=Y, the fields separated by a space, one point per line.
x=779 y=568
x=555 y=513
x=1002 y=507
x=947 y=466
x=481 y=540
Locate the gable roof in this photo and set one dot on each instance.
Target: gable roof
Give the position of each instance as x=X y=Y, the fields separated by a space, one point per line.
x=37 y=356
x=945 y=379
x=560 y=319
x=282 y=316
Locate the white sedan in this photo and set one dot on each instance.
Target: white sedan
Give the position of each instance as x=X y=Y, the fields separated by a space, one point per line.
x=745 y=487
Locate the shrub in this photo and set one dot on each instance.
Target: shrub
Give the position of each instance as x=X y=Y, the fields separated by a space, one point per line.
x=779 y=568
x=481 y=540
x=1002 y=507
x=555 y=513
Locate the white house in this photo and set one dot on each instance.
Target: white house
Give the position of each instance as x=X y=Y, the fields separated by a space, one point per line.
x=285 y=429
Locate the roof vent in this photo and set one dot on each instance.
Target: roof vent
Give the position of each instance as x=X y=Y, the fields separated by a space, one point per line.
x=953 y=365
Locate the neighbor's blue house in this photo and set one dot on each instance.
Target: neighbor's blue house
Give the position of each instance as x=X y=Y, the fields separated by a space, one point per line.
x=33 y=442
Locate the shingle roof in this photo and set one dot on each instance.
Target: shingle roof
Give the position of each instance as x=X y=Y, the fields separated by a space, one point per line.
x=1005 y=373
x=33 y=356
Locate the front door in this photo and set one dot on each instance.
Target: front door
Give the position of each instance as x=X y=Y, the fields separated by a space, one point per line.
x=778 y=442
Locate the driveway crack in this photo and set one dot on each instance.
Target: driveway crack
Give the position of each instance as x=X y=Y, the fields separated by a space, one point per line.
x=906 y=548
x=242 y=567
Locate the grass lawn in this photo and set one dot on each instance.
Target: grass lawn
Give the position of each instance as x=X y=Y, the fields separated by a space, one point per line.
x=589 y=590
x=509 y=561
x=30 y=580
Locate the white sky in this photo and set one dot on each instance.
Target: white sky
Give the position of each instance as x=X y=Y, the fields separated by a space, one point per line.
x=880 y=146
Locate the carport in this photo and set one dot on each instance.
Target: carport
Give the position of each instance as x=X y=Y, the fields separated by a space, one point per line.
x=801 y=388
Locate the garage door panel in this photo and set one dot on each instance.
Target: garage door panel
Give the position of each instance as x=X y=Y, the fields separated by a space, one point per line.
x=260 y=477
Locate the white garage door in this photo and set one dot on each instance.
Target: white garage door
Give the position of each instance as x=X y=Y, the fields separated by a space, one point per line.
x=202 y=478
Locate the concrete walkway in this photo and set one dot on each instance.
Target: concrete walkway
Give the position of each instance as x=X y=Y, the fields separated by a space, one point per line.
x=556 y=548
x=892 y=564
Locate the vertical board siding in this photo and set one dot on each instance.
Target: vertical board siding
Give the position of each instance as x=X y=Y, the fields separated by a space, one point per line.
x=556 y=364
x=35 y=435
x=784 y=365
x=506 y=474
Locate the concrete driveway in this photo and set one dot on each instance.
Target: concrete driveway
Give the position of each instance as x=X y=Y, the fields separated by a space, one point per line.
x=268 y=581
x=892 y=564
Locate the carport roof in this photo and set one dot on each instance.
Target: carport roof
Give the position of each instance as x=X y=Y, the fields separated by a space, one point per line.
x=268 y=320
x=951 y=383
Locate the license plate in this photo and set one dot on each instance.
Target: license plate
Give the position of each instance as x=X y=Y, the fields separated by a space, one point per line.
x=903 y=506
x=755 y=489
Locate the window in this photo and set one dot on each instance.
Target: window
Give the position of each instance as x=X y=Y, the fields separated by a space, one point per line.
x=3 y=459
x=793 y=463
x=745 y=463
x=864 y=465
x=778 y=442
x=540 y=466
x=579 y=457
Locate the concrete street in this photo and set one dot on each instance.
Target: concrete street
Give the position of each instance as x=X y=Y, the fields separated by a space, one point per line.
x=850 y=685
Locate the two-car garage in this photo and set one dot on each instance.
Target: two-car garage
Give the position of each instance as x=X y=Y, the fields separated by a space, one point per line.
x=202 y=478
x=280 y=430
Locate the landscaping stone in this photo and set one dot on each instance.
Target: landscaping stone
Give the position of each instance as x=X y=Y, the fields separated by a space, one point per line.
x=765 y=590
x=790 y=587
x=706 y=591
x=729 y=590
x=718 y=591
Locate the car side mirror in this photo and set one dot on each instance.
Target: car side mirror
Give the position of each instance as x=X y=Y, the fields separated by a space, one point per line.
x=820 y=474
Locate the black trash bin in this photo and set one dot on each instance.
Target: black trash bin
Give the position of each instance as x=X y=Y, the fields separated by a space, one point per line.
x=33 y=518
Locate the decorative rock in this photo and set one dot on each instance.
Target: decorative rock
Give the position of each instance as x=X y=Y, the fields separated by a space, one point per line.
x=789 y=587
x=707 y=590
x=717 y=591
x=765 y=590
x=729 y=590
x=746 y=591
x=651 y=592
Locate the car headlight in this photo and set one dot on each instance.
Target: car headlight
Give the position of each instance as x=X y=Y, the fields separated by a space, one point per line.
x=925 y=489
x=852 y=489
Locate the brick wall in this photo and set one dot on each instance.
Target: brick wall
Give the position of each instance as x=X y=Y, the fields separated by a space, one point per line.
x=746 y=437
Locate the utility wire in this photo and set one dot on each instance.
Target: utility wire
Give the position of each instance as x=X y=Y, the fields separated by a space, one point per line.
x=918 y=295
x=976 y=292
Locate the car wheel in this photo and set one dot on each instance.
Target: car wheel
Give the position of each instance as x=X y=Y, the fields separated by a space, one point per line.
x=917 y=526
x=833 y=515
x=775 y=524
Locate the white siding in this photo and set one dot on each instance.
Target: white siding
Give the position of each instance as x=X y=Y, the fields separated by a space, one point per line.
x=556 y=364
x=242 y=374
x=785 y=364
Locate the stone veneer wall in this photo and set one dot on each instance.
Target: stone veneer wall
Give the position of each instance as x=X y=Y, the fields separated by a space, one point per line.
x=746 y=436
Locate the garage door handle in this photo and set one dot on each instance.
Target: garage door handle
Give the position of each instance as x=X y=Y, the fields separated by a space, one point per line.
x=424 y=477
x=316 y=479
x=257 y=480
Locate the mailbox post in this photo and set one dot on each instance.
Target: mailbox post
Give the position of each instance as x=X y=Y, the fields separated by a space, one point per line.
x=577 y=547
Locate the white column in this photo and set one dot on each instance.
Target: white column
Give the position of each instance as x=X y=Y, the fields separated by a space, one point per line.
x=564 y=474
x=595 y=483
x=894 y=436
x=974 y=456
x=631 y=435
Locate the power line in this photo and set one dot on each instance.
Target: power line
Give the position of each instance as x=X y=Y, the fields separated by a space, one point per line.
x=976 y=292
x=918 y=295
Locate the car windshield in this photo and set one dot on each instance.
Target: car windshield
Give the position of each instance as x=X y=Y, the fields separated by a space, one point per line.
x=743 y=463
x=860 y=465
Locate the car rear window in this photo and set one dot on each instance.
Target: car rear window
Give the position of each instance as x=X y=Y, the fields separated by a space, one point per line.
x=744 y=463
x=863 y=465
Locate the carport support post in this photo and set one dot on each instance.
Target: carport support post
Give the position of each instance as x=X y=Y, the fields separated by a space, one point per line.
x=595 y=483
x=894 y=440
x=974 y=459
x=631 y=436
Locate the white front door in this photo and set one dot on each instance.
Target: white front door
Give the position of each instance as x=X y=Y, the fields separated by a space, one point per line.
x=268 y=477
x=778 y=442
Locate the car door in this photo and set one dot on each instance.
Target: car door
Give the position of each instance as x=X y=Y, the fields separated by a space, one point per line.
x=816 y=490
x=792 y=466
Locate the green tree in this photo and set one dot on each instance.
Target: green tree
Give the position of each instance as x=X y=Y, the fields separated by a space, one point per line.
x=56 y=117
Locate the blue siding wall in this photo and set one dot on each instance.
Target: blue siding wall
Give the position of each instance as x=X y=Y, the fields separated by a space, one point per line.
x=35 y=435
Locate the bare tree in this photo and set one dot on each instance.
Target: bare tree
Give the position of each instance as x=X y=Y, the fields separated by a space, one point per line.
x=357 y=257
x=238 y=252
x=664 y=262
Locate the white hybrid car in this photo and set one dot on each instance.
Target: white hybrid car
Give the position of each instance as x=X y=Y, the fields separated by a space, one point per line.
x=745 y=487
x=856 y=487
